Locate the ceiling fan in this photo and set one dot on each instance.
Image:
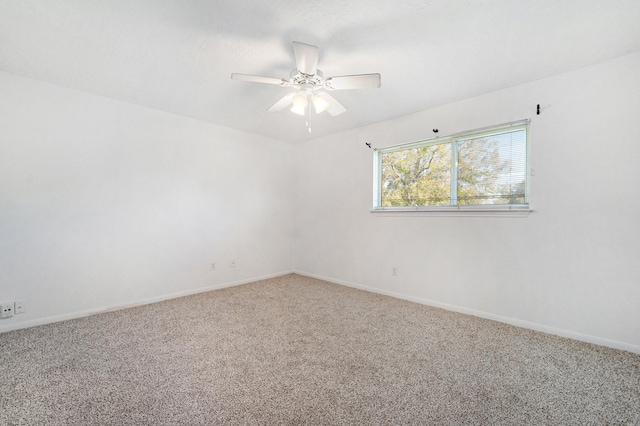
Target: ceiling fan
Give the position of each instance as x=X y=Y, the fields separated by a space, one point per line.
x=311 y=88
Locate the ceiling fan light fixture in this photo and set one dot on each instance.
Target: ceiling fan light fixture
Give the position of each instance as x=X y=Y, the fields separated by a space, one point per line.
x=300 y=99
x=320 y=103
x=298 y=109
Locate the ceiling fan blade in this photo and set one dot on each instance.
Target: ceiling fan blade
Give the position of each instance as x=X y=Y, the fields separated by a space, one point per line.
x=360 y=81
x=306 y=57
x=283 y=103
x=335 y=107
x=259 y=79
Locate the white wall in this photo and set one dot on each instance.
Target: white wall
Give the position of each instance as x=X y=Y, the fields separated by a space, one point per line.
x=105 y=203
x=572 y=267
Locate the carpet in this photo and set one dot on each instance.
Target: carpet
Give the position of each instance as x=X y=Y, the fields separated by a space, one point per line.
x=297 y=350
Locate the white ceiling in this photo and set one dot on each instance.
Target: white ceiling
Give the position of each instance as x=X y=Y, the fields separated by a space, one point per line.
x=178 y=55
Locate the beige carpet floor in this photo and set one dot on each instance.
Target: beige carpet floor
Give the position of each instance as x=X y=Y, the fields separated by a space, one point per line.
x=296 y=350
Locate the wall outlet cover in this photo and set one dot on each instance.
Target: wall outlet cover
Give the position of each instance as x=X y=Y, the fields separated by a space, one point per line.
x=6 y=309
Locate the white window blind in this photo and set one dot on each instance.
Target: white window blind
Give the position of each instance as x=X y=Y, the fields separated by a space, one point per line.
x=492 y=169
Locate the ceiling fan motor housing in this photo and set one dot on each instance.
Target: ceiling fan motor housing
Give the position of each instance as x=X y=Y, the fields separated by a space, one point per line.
x=305 y=81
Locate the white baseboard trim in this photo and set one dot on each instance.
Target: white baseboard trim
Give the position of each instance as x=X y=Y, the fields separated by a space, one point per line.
x=601 y=341
x=142 y=302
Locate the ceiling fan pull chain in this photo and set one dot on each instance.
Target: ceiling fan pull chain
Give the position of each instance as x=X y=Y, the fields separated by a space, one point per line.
x=309 y=110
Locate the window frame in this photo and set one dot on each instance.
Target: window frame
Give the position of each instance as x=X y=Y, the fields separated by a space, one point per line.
x=455 y=209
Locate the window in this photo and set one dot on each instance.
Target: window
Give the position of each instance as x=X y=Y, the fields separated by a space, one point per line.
x=485 y=169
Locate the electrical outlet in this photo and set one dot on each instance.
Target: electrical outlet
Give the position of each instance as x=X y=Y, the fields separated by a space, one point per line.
x=213 y=266
x=20 y=307
x=6 y=309
x=394 y=271
x=233 y=263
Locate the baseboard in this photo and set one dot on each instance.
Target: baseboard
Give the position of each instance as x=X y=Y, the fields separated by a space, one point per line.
x=507 y=320
x=142 y=302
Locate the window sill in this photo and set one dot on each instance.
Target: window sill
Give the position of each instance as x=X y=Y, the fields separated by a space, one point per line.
x=451 y=211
